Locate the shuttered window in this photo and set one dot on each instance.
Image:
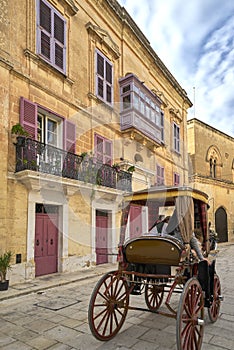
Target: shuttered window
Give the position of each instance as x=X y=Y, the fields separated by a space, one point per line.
x=176 y=137
x=45 y=126
x=176 y=179
x=51 y=35
x=160 y=176
x=103 y=149
x=104 y=78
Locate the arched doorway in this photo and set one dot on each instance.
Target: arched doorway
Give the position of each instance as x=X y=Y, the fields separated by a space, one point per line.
x=221 y=224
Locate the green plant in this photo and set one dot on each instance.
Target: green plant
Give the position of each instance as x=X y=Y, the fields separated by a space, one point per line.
x=19 y=130
x=5 y=265
x=131 y=169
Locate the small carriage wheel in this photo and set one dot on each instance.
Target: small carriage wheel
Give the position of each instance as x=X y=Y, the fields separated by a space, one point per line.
x=190 y=317
x=213 y=310
x=154 y=296
x=108 y=306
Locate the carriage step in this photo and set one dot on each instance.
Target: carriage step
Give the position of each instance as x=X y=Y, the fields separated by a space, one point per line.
x=200 y=322
x=221 y=298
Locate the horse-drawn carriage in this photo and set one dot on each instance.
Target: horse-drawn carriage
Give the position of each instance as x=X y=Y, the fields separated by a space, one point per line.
x=158 y=267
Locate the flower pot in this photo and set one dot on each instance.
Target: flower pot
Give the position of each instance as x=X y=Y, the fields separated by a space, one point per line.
x=4 y=285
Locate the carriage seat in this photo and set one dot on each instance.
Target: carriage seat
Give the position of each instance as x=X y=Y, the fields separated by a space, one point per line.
x=153 y=249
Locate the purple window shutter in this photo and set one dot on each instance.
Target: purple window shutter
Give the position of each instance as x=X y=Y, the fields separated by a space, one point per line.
x=69 y=136
x=99 y=147
x=28 y=116
x=108 y=152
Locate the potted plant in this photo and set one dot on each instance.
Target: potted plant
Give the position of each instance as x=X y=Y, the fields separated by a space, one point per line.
x=19 y=133
x=5 y=265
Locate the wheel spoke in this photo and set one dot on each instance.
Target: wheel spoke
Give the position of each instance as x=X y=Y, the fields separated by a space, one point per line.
x=191 y=308
x=108 y=306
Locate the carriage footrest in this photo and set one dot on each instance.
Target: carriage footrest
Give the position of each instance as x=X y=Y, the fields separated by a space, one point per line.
x=136 y=290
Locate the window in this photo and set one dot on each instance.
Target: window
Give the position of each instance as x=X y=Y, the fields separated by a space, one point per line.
x=51 y=35
x=160 y=176
x=176 y=138
x=176 y=179
x=140 y=108
x=104 y=78
x=103 y=149
x=213 y=164
x=47 y=127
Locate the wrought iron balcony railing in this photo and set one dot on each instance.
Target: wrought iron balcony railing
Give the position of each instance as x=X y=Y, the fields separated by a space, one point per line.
x=37 y=156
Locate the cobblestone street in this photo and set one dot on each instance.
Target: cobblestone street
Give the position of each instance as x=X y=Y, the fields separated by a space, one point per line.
x=56 y=318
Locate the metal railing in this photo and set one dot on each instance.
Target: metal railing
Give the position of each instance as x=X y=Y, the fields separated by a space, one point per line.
x=37 y=156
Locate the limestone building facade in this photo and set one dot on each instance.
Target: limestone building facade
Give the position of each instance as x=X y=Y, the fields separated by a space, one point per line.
x=96 y=103
x=211 y=153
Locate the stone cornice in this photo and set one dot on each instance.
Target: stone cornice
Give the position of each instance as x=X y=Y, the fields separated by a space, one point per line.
x=211 y=181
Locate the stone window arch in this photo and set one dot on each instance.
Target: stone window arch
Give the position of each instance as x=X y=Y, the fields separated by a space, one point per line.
x=213 y=158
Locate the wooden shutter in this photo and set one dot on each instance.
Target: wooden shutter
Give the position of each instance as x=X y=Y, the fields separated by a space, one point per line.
x=99 y=147
x=107 y=159
x=59 y=30
x=28 y=116
x=103 y=149
x=69 y=136
x=45 y=25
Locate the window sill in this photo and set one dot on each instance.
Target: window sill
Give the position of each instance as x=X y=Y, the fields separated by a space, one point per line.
x=47 y=66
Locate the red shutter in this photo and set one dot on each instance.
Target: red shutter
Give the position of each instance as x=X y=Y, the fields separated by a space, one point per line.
x=69 y=136
x=28 y=116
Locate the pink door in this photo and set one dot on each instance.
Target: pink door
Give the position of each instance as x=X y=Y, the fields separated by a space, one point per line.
x=46 y=244
x=135 y=221
x=101 y=239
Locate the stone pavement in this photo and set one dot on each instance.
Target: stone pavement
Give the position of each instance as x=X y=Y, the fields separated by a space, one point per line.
x=50 y=313
x=58 y=279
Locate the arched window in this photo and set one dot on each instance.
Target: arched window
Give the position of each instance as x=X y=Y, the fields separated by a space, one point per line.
x=213 y=157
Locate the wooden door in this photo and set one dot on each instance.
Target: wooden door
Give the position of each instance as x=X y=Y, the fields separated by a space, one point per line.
x=221 y=224
x=46 y=244
x=101 y=239
x=135 y=221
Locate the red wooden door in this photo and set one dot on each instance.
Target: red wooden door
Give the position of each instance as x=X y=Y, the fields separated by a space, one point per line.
x=135 y=221
x=46 y=244
x=101 y=239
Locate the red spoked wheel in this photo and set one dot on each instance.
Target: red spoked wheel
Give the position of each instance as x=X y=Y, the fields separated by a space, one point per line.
x=214 y=309
x=108 y=306
x=190 y=317
x=154 y=296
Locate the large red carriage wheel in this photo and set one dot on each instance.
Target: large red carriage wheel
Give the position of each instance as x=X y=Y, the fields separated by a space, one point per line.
x=154 y=296
x=213 y=311
x=190 y=317
x=108 y=306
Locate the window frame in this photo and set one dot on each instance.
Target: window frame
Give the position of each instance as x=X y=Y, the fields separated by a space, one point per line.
x=54 y=43
x=160 y=175
x=176 y=179
x=103 y=78
x=176 y=137
x=106 y=159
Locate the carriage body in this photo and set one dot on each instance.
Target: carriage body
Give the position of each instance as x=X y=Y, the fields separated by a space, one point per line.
x=159 y=266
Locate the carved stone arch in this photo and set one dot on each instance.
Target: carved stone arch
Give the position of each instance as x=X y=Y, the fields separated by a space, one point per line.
x=104 y=39
x=214 y=154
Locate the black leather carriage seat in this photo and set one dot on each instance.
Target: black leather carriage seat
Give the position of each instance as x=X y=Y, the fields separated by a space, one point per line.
x=153 y=250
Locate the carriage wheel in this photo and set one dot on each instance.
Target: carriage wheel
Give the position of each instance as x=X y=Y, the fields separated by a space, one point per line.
x=108 y=306
x=190 y=317
x=213 y=311
x=154 y=296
